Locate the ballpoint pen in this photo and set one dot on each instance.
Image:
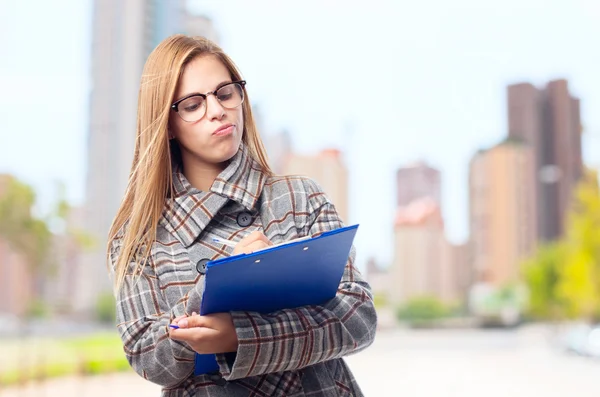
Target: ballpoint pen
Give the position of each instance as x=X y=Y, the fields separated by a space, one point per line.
x=223 y=241
x=231 y=243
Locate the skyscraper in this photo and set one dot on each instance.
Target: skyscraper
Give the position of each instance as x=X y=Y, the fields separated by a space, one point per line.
x=124 y=34
x=549 y=121
x=502 y=211
x=416 y=181
x=419 y=247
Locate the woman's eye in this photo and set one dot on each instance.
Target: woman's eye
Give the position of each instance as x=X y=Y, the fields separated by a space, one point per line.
x=191 y=108
x=192 y=104
x=225 y=96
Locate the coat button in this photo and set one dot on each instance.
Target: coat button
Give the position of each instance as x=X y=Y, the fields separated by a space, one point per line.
x=218 y=379
x=244 y=219
x=201 y=265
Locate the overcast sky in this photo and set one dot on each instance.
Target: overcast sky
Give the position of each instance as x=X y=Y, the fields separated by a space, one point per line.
x=388 y=82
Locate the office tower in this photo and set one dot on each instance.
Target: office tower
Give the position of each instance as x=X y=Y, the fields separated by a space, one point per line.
x=326 y=168
x=502 y=211
x=548 y=120
x=419 y=250
x=124 y=34
x=416 y=181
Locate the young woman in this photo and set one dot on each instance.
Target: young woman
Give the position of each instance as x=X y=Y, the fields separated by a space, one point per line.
x=200 y=171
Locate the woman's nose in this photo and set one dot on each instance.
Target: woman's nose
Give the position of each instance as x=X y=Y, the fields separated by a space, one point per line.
x=214 y=109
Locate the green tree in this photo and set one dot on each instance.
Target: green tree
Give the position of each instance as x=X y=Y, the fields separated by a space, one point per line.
x=541 y=275
x=563 y=277
x=24 y=232
x=579 y=277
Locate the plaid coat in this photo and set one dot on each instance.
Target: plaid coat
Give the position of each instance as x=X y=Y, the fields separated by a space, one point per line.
x=295 y=352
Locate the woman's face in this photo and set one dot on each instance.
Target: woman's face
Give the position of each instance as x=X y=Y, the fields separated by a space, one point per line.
x=215 y=137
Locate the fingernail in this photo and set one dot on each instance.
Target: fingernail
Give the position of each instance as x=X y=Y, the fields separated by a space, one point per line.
x=194 y=314
x=183 y=323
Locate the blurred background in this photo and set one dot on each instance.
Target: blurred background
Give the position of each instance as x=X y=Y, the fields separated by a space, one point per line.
x=463 y=137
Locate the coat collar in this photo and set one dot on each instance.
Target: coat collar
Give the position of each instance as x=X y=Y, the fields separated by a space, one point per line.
x=190 y=211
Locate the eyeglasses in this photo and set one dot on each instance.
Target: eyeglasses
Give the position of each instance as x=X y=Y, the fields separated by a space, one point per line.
x=193 y=107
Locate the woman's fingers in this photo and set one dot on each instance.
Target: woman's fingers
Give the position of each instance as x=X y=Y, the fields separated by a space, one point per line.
x=255 y=246
x=253 y=242
x=255 y=236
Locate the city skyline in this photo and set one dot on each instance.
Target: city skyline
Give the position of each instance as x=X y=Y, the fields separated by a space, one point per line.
x=449 y=99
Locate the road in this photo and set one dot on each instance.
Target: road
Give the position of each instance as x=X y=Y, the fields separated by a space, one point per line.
x=428 y=363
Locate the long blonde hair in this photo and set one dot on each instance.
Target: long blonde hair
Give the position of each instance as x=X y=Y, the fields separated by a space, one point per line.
x=150 y=179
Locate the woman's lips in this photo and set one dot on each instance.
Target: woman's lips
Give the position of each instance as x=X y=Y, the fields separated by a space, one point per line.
x=224 y=130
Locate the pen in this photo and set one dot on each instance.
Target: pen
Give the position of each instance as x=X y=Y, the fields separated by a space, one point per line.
x=223 y=241
x=230 y=243
x=173 y=326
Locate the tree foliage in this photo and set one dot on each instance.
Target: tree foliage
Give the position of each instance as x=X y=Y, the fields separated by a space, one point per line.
x=564 y=277
x=24 y=232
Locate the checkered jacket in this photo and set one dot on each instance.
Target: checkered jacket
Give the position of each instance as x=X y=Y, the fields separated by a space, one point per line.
x=292 y=352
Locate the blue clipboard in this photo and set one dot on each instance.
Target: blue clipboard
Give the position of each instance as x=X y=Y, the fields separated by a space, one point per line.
x=301 y=273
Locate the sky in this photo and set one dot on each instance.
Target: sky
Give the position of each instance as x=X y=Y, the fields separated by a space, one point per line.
x=387 y=82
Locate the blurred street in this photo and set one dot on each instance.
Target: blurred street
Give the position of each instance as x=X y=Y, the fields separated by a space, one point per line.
x=417 y=363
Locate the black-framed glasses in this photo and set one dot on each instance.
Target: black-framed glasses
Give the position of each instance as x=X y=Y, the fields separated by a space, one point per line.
x=193 y=107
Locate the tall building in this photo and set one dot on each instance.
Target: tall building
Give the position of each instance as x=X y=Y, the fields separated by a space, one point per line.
x=548 y=119
x=502 y=211
x=124 y=34
x=416 y=181
x=419 y=250
x=425 y=263
x=328 y=169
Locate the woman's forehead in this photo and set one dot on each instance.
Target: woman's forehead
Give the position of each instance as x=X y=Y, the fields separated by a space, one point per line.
x=202 y=74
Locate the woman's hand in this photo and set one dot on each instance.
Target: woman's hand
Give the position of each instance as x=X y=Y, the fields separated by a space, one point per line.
x=210 y=334
x=255 y=241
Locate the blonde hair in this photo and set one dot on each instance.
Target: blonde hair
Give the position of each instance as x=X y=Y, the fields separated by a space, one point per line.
x=150 y=179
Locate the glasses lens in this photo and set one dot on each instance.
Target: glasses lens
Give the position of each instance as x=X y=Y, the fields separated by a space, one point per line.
x=231 y=95
x=192 y=109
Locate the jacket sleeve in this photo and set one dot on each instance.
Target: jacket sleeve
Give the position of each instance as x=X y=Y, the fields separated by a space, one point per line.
x=143 y=317
x=292 y=339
